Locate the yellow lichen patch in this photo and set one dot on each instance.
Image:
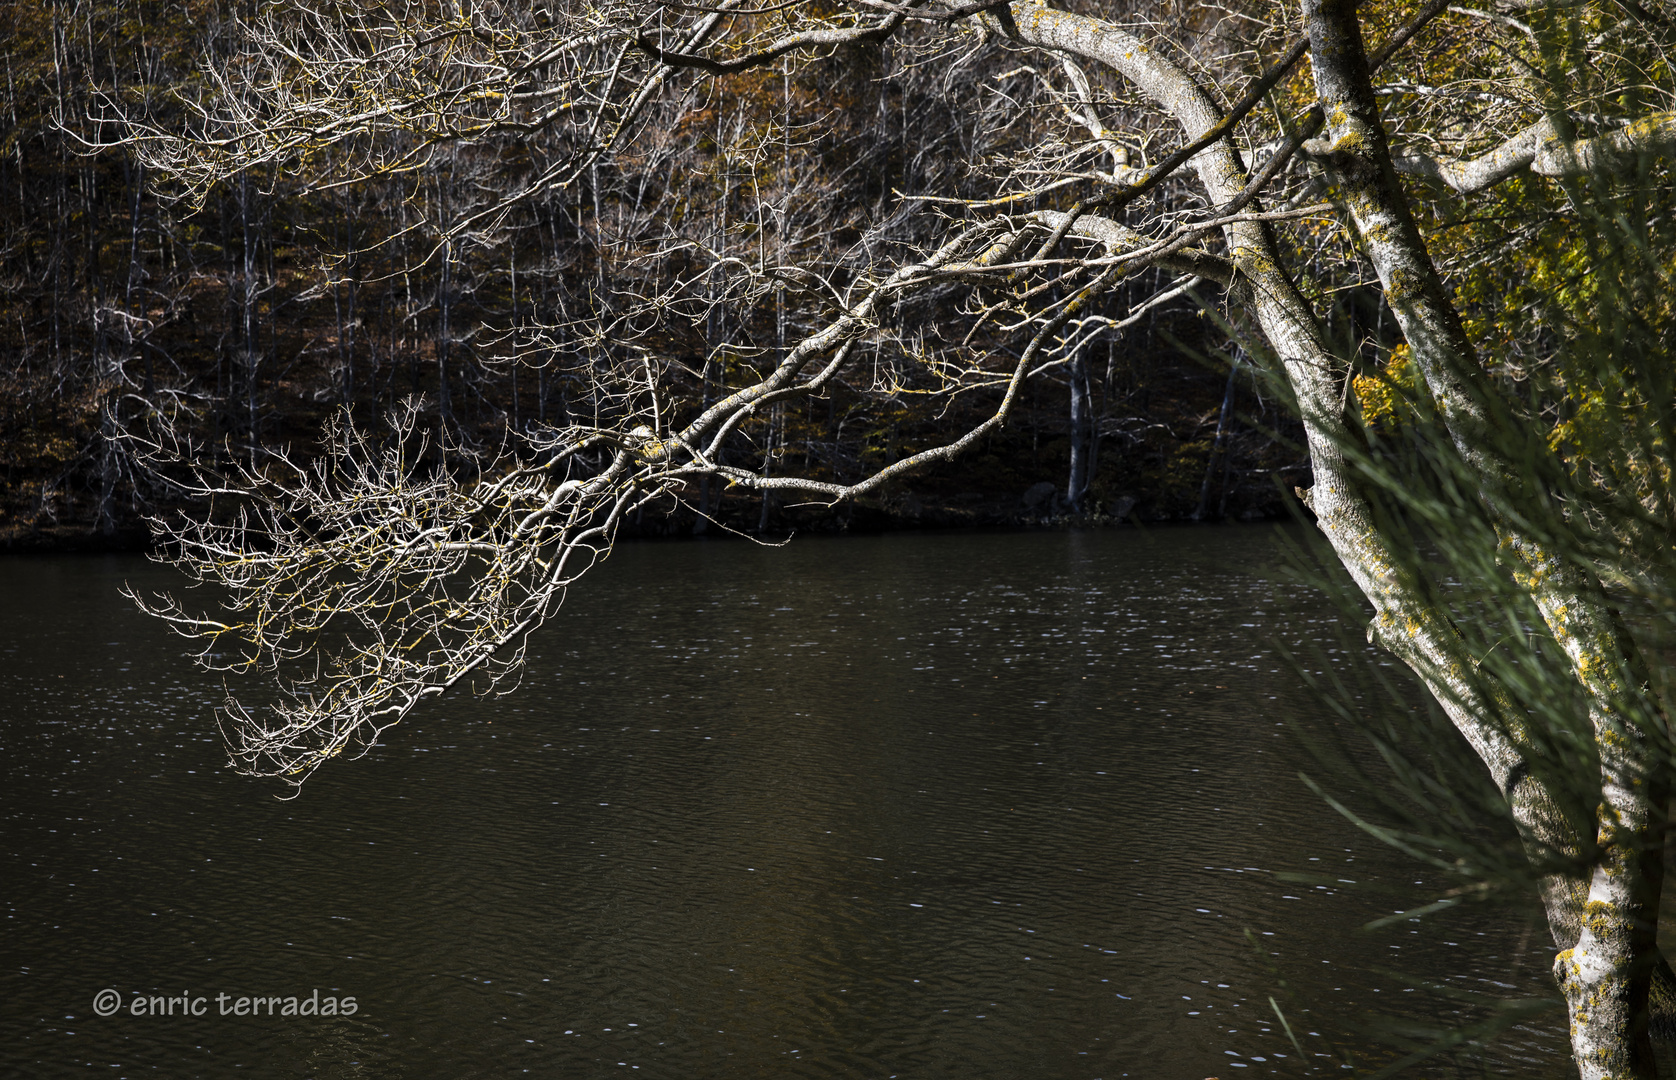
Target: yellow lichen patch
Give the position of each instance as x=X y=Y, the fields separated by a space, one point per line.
x=1646 y=129
x=1406 y=282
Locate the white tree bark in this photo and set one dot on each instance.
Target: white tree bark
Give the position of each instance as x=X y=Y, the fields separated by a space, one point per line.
x=1603 y=926
x=1544 y=150
x=1606 y=975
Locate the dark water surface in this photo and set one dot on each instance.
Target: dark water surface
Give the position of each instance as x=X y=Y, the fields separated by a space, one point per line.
x=921 y=806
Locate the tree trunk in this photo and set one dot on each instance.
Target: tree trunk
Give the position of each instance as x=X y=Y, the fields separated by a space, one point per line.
x=1606 y=973
x=247 y=310
x=346 y=327
x=1405 y=622
x=1077 y=488
x=1216 y=443
x=445 y=295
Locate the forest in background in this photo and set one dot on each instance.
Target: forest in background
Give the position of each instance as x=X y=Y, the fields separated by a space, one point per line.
x=256 y=314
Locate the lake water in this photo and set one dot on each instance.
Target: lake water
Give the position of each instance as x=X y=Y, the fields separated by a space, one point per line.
x=962 y=806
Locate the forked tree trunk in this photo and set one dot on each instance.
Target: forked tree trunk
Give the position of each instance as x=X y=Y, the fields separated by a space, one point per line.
x=1606 y=972
x=1609 y=967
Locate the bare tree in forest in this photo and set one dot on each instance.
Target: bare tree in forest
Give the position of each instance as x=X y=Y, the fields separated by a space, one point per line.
x=369 y=580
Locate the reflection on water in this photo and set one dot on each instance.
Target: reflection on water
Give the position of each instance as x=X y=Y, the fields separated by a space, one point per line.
x=951 y=806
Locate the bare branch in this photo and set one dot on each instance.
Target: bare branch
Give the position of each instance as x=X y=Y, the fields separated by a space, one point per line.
x=1544 y=151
